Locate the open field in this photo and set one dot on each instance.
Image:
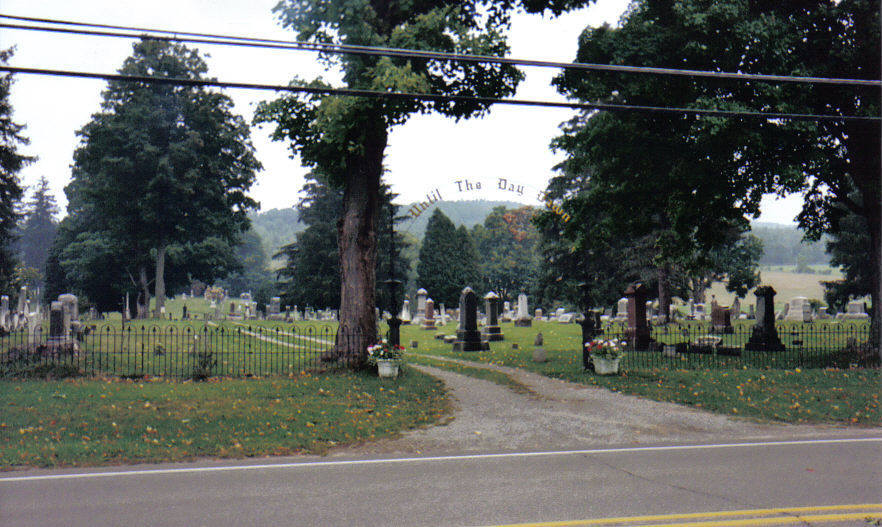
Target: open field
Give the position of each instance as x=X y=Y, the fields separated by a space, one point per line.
x=104 y=421
x=787 y=283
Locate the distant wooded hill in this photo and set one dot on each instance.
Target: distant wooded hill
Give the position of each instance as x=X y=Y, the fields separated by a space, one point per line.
x=468 y=213
x=276 y=228
x=782 y=244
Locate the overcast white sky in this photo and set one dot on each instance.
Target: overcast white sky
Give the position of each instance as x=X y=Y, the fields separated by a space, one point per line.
x=427 y=153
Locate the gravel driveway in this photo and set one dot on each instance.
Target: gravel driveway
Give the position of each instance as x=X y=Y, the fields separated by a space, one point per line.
x=560 y=415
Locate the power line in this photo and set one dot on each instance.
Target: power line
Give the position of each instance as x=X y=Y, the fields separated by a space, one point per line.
x=434 y=98
x=214 y=39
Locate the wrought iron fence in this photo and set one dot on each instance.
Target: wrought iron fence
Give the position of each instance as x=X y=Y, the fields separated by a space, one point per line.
x=186 y=352
x=699 y=345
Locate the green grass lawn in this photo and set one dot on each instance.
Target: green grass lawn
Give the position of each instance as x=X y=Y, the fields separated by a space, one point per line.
x=94 y=422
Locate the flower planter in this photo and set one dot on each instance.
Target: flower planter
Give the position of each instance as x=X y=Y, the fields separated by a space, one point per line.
x=605 y=366
x=387 y=368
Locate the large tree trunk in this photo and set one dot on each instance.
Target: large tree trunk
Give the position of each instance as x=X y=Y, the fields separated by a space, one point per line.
x=358 y=247
x=864 y=143
x=160 y=280
x=143 y=303
x=664 y=292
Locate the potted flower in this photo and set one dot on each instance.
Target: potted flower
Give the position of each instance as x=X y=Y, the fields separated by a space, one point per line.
x=386 y=357
x=605 y=355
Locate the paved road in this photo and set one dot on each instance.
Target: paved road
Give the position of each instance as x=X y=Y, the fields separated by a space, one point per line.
x=470 y=490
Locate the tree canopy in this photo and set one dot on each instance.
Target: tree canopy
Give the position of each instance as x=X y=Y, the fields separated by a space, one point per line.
x=37 y=229
x=345 y=138
x=507 y=242
x=447 y=260
x=11 y=162
x=160 y=167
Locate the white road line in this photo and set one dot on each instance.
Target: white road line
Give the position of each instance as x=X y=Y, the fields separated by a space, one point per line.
x=321 y=464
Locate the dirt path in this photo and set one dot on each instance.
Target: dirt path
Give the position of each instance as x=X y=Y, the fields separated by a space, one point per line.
x=561 y=415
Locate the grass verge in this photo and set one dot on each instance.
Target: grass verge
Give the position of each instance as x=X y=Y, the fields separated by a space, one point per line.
x=81 y=421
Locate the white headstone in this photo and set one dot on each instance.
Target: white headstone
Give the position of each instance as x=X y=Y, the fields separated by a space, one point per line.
x=855 y=310
x=405 y=312
x=622 y=309
x=800 y=310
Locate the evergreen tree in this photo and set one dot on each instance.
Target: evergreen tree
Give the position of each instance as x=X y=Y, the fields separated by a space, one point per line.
x=447 y=260
x=847 y=248
x=38 y=228
x=311 y=274
x=161 y=166
x=11 y=162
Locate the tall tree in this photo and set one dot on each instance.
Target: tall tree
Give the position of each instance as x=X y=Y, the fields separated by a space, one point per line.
x=507 y=243
x=311 y=273
x=38 y=227
x=836 y=162
x=446 y=261
x=848 y=248
x=11 y=162
x=346 y=137
x=162 y=165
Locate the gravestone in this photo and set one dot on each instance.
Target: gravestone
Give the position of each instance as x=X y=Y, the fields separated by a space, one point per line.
x=422 y=295
x=539 y=354
x=429 y=315
x=822 y=313
x=22 y=298
x=751 y=314
x=184 y=314
x=736 y=308
x=58 y=329
x=468 y=338
x=699 y=312
x=442 y=316
x=855 y=310
x=800 y=310
x=4 y=311
x=622 y=310
x=505 y=314
x=71 y=305
x=721 y=319
x=638 y=330
x=783 y=314
x=492 y=331
x=523 y=319
x=275 y=306
x=764 y=336
x=405 y=312
x=537 y=315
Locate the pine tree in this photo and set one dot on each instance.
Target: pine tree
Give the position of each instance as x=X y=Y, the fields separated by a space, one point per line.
x=38 y=228
x=447 y=261
x=11 y=162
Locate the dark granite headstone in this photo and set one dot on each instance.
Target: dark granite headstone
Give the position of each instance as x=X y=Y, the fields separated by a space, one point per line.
x=492 y=332
x=765 y=335
x=468 y=338
x=721 y=319
x=638 y=330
